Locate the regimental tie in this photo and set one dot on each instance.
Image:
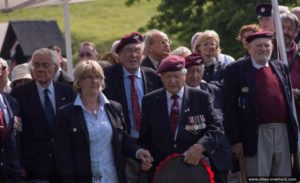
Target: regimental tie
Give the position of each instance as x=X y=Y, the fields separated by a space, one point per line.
x=174 y=114
x=135 y=103
x=3 y=126
x=49 y=110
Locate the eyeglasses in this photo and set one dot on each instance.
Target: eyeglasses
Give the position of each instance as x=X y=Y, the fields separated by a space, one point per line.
x=132 y=50
x=91 y=77
x=37 y=65
x=163 y=42
x=85 y=54
x=3 y=67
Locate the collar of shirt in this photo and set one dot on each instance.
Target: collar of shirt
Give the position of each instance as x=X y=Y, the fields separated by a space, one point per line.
x=138 y=73
x=258 y=66
x=154 y=62
x=57 y=74
x=41 y=88
x=102 y=99
x=2 y=103
x=179 y=94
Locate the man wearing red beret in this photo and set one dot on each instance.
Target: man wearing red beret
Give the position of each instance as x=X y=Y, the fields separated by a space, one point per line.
x=258 y=108
x=126 y=83
x=177 y=118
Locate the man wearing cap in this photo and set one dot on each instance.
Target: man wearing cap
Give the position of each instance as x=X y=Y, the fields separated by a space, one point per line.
x=290 y=28
x=177 y=118
x=264 y=17
x=258 y=108
x=127 y=82
x=157 y=47
x=221 y=163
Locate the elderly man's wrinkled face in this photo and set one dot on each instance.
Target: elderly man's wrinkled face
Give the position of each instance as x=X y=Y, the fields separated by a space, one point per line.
x=173 y=81
x=131 y=56
x=159 y=47
x=260 y=50
x=290 y=32
x=43 y=69
x=194 y=75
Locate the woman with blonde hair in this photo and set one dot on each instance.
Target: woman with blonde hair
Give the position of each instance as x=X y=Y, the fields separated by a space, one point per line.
x=91 y=136
x=208 y=45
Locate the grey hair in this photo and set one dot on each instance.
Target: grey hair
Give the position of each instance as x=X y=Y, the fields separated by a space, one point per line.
x=45 y=51
x=291 y=17
x=148 y=37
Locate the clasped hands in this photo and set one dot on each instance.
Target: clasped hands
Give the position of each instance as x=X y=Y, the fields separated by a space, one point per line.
x=146 y=158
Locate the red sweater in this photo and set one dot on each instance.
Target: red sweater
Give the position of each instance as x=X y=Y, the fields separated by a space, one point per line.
x=271 y=100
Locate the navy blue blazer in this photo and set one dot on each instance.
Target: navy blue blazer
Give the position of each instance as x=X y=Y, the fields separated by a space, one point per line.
x=156 y=136
x=115 y=89
x=37 y=137
x=10 y=150
x=147 y=63
x=241 y=108
x=72 y=148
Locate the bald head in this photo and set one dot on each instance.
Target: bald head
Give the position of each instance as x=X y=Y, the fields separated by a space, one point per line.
x=296 y=11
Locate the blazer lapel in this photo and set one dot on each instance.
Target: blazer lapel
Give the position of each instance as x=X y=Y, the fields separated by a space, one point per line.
x=36 y=103
x=186 y=103
x=79 y=118
x=164 y=117
x=250 y=79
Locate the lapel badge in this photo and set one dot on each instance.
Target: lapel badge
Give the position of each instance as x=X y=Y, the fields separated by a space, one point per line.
x=63 y=98
x=187 y=110
x=74 y=129
x=245 y=89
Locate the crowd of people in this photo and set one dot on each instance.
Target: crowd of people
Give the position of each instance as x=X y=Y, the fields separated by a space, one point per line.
x=119 y=116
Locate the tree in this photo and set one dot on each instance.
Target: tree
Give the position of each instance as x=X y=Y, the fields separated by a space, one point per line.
x=182 y=18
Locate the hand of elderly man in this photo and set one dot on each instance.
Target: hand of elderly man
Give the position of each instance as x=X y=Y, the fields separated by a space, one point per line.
x=146 y=158
x=194 y=154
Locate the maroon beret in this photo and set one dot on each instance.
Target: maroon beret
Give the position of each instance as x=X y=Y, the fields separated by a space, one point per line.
x=193 y=59
x=134 y=37
x=259 y=34
x=171 y=63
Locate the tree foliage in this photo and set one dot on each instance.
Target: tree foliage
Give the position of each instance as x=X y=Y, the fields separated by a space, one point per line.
x=182 y=18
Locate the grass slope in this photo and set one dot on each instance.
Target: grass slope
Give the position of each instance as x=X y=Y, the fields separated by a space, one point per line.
x=99 y=21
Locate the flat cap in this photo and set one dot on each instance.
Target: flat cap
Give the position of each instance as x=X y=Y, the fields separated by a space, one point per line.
x=193 y=59
x=171 y=63
x=259 y=34
x=263 y=10
x=134 y=37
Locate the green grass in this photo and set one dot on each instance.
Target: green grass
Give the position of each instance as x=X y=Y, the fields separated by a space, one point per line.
x=99 y=21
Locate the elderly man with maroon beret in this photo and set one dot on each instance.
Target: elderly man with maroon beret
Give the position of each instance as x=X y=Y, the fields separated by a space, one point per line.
x=258 y=107
x=177 y=118
x=127 y=82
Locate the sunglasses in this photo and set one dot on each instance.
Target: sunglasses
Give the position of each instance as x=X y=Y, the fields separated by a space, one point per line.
x=85 y=54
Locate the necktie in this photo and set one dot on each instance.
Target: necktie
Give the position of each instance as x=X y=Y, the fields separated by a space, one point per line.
x=3 y=127
x=49 y=110
x=174 y=114
x=135 y=104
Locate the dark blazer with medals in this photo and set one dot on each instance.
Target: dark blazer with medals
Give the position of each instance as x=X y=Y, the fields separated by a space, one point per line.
x=10 y=150
x=72 y=143
x=115 y=89
x=241 y=106
x=197 y=109
x=37 y=136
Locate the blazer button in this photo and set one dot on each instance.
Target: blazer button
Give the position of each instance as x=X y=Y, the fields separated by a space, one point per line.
x=52 y=139
x=175 y=145
x=1 y=164
x=2 y=150
x=50 y=155
x=74 y=129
